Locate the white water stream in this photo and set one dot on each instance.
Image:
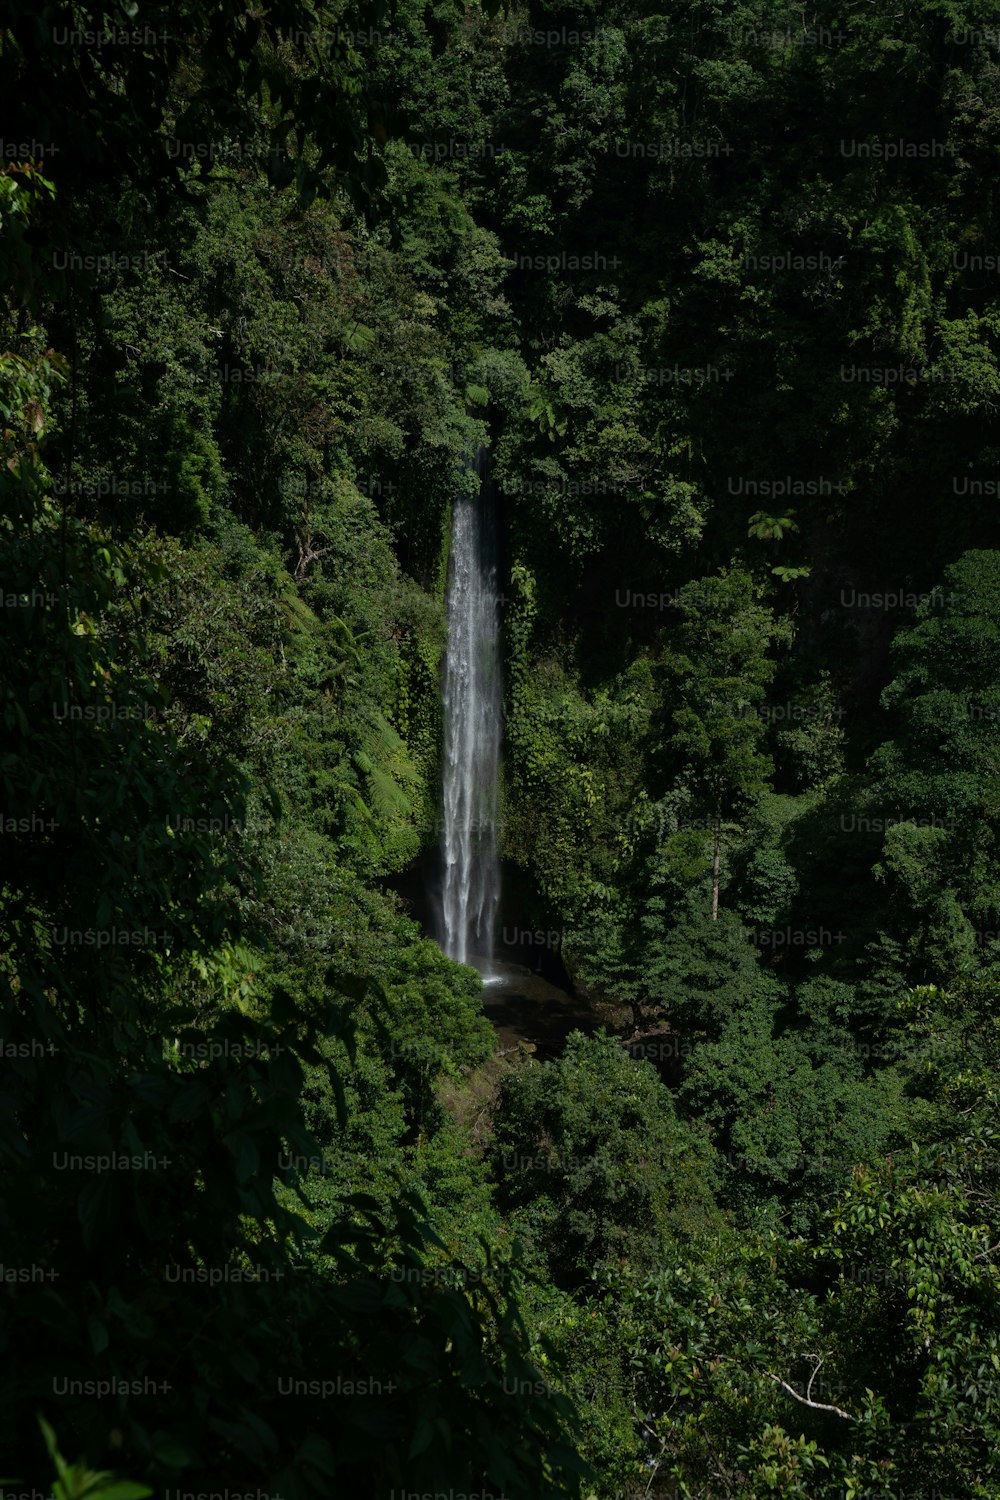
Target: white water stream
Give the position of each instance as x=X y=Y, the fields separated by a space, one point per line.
x=472 y=729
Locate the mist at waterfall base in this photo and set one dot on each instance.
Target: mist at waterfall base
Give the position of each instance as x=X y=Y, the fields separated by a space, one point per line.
x=472 y=708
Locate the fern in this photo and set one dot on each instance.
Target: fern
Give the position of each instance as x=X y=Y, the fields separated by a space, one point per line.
x=391 y=775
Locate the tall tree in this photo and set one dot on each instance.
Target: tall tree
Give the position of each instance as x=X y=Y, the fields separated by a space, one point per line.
x=715 y=680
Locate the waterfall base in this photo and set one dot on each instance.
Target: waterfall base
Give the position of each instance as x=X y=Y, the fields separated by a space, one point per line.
x=526 y=1009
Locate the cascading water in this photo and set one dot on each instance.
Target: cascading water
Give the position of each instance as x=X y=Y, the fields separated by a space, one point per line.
x=472 y=729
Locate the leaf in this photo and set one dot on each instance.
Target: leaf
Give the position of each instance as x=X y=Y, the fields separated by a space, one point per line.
x=359 y=337
x=50 y=1442
x=167 y=1450
x=317 y=1451
x=247 y=1156
x=98 y=1333
x=152 y=1090
x=190 y=1101
x=124 y=1489
x=93 y=1209
x=422 y=1438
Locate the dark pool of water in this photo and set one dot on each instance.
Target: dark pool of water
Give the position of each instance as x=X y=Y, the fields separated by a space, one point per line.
x=524 y=1006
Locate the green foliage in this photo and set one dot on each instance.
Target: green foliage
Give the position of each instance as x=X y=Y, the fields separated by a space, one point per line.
x=75 y=1482
x=938 y=768
x=770 y=528
x=790 y=1110
x=722 y=669
x=592 y=1160
x=197 y=983
x=669 y=270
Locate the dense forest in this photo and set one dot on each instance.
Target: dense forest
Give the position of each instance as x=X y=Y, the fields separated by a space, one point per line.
x=709 y=298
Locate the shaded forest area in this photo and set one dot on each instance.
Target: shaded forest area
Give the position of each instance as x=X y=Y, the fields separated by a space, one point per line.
x=717 y=288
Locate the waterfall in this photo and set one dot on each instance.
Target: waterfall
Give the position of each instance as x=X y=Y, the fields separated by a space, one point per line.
x=472 y=727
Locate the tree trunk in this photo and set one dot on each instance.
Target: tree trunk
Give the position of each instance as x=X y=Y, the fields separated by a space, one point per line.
x=715 y=861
